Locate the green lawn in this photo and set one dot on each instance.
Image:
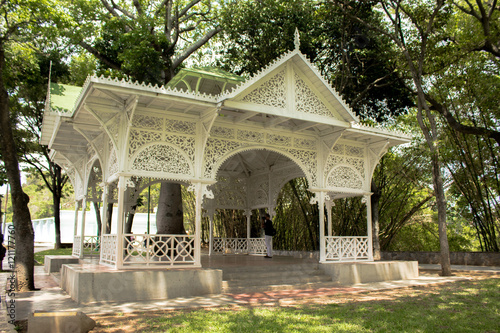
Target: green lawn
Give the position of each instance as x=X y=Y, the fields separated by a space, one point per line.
x=466 y=306
x=40 y=256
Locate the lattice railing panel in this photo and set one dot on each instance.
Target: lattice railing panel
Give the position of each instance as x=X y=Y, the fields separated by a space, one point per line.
x=158 y=250
x=108 y=249
x=346 y=248
x=77 y=245
x=238 y=245
x=91 y=245
x=256 y=246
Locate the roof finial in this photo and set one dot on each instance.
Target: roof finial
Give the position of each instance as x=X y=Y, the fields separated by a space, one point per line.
x=297 y=39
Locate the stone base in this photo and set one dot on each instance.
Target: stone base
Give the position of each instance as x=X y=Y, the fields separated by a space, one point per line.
x=54 y=263
x=347 y=273
x=96 y=283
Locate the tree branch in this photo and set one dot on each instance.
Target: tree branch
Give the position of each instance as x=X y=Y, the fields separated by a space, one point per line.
x=99 y=55
x=193 y=47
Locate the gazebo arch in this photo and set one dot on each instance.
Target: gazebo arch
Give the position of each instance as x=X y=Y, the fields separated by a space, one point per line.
x=249 y=178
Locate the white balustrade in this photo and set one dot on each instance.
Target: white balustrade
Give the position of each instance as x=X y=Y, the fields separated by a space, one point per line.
x=77 y=246
x=108 y=249
x=346 y=248
x=238 y=245
x=91 y=245
x=144 y=250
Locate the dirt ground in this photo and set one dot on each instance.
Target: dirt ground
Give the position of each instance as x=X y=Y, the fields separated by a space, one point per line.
x=129 y=322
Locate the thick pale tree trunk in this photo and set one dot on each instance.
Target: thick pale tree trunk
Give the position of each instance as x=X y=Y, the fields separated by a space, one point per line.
x=130 y=220
x=24 y=235
x=441 y=206
x=431 y=137
x=169 y=217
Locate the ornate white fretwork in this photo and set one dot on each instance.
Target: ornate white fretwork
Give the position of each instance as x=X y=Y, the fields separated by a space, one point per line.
x=108 y=249
x=91 y=245
x=251 y=136
x=139 y=138
x=180 y=126
x=148 y=122
x=306 y=100
x=270 y=93
x=345 y=177
x=346 y=248
x=345 y=166
x=222 y=132
x=259 y=187
x=239 y=245
x=77 y=246
x=113 y=162
x=162 y=158
x=143 y=250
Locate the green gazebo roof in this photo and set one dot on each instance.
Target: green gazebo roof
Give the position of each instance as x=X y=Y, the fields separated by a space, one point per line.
x=63 y=97
x=209 y=80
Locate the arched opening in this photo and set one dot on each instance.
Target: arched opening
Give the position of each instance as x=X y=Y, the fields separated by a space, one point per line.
x=248 y=185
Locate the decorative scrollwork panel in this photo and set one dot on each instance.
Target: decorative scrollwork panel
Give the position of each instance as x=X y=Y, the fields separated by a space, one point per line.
x=344 y=177
x=162 y=158
x=271 y=92
x=306 y=100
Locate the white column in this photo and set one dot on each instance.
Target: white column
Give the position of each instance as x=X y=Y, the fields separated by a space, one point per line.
x=77 y=208
x=104 y=213
x=122 y=187
x=197 y=237
x=211 y=235
x=82 y=232
x=319 y=198
x=368 y=202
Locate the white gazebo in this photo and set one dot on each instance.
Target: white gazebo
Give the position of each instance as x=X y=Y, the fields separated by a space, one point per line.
x=234 y=143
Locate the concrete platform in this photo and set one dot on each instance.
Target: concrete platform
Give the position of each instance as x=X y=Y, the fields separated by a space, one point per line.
x=348 y=273
x=54 y=263
x=97 y=283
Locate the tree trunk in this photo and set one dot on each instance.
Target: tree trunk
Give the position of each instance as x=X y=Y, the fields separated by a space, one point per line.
x=109 y=216
x=56 y=200
x=169 y=217
x=58 y=182
x=431 y=138
x=441 y=206
x=24 y=235
x=375 y=199
x=130 y=220
x=97 y=217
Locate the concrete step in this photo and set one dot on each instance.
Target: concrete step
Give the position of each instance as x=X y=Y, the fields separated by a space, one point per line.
x=307 y=267
x=238 y=289
x=274 y=277
x=271 y=275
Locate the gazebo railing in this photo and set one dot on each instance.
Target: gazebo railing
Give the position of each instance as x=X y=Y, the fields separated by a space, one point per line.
x=77 y=246
x=144 y=250
x=91 y=245
x=238 y=245
x=346 y=248
x=108 y=249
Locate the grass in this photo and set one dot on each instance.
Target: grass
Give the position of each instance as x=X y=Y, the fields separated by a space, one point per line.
x=465 y=306
x=40 y=256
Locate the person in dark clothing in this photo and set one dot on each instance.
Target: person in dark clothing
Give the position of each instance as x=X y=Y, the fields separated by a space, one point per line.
x=269 y=232
x=3 y=251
